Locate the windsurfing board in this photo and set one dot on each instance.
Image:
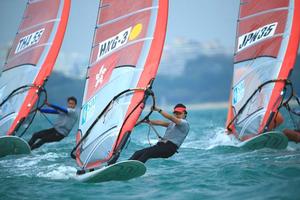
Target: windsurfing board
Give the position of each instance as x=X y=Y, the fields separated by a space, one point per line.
x=273 y=140
x=13 y=145
x=121 y=171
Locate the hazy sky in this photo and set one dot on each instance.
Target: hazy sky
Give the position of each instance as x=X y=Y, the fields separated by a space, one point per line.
x=204 y=21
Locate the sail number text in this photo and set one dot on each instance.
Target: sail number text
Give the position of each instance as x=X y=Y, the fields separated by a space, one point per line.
x=256 y=36
x=112 y=43
x=29 y=40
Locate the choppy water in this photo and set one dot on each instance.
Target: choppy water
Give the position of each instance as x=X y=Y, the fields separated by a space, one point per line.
x=206 y=167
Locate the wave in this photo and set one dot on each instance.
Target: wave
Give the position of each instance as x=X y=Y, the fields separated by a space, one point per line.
x=39 y=164
x=210 y=139
x=58 y=172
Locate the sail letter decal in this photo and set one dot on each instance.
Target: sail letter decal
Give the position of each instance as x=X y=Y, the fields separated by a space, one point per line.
x=29 y=40
x=256 y=36
x=113 y=43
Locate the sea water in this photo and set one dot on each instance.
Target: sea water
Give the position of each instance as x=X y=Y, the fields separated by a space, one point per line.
x=208 y=166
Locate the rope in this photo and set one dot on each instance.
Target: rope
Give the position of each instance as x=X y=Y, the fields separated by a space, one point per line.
x=148 y=92
x=291 y=111
x=148 y=136
x=293 y=120
x=154 y=130
x=45 y=116
x=287 y=106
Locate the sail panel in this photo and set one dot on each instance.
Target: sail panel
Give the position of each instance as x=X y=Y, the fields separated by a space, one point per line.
x=34 y=17
x=264 y=35
x=29 y=46
x=124 y=38
x=262 y=38
x=132 y=30
x=252 y=7
x=121 y=8
x=31 y=60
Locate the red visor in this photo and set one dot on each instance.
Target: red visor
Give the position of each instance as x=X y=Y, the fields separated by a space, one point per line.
x=179 y=109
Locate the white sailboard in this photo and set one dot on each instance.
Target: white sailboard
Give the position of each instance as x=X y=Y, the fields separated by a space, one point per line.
x=120 y=171
x=273 y=140
x=13 y=145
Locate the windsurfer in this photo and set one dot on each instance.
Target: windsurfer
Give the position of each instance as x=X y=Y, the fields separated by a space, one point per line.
x=61 y=128
x=177 y=130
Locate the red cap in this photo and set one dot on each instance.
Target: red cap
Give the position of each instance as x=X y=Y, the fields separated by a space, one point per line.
x=179 y=109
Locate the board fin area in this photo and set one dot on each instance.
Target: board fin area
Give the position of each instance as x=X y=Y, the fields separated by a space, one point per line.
x=121 y=171
x=13 y=145
x=273 y=140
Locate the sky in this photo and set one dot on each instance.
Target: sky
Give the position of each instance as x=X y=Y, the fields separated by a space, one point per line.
x=193 y=26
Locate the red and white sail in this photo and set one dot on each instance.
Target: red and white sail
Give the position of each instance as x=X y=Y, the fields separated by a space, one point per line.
x=266 y=46
x=31 y=59
x=126 y=51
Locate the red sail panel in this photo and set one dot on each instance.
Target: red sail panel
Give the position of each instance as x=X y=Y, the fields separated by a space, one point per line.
x=35 y=20
x=127 y=55
x=33 y=15
x=269 y=48
x=251 y=7
x=33 y=55
x=266 y=47
x=121 y=8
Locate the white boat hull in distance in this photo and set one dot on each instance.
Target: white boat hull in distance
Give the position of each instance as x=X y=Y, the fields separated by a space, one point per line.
x=273 y=140
x=121 y=171
x=13 y=145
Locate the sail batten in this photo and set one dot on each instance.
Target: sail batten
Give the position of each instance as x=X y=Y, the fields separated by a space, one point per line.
x=125 y=16
x=264 y=12
x=39 y=25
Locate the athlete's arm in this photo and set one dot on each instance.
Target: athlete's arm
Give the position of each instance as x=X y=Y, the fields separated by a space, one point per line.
x=57 y=108
x=159 y=123
x=48 y=111
x=168 y=116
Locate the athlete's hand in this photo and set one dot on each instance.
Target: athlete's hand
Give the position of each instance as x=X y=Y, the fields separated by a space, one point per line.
x=147 y=120
x=155 y=108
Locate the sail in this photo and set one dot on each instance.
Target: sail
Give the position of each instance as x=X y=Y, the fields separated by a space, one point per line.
x=125 y=55
x=267 y=40
x=31 y=59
